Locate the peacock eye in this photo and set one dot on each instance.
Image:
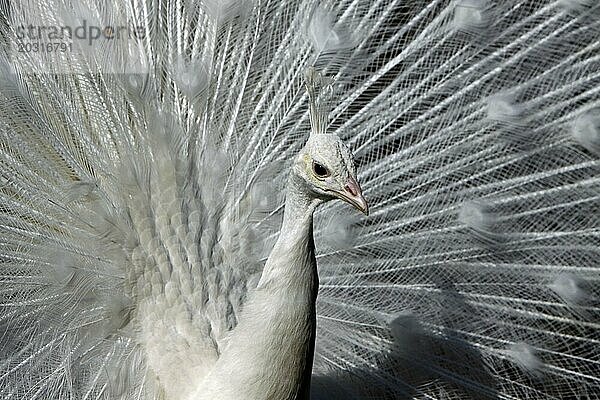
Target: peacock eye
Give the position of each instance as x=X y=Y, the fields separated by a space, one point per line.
x=319 y=170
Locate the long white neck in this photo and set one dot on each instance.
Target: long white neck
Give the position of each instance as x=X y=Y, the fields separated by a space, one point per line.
x=296 y=235
x=270 y=353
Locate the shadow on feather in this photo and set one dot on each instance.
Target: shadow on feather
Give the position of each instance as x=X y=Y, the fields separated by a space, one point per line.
x=420 y=360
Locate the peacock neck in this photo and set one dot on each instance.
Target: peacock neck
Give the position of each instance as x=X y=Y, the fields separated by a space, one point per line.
x=299 y=205
x=295 y=236
x=270 y=352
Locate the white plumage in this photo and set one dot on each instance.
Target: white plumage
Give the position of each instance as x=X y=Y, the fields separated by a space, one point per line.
x=144 y=251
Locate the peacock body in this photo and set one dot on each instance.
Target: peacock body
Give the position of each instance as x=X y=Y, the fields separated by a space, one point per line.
x=156 y=226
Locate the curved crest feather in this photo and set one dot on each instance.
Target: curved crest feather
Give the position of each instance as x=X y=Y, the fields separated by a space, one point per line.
x=317 y=86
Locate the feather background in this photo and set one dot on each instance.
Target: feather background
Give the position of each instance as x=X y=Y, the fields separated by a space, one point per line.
x=139 y=170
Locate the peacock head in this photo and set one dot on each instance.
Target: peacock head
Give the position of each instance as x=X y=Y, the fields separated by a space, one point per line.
x=326 y=163
x=327 y=166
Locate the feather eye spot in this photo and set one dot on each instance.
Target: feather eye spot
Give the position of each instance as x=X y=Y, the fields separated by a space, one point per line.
x=472 y=16
x=575 y=5
x=570 y=288
x=503 y=108
x=585 y=129
x=525 y=356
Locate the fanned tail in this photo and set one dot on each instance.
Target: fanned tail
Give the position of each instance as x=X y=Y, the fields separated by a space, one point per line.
x=140 y=192
x=475 y=276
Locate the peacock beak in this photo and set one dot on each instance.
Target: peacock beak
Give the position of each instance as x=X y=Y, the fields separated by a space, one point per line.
x=353 y=195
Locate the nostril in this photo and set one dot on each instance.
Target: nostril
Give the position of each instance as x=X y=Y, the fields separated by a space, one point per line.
x=350 y=188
